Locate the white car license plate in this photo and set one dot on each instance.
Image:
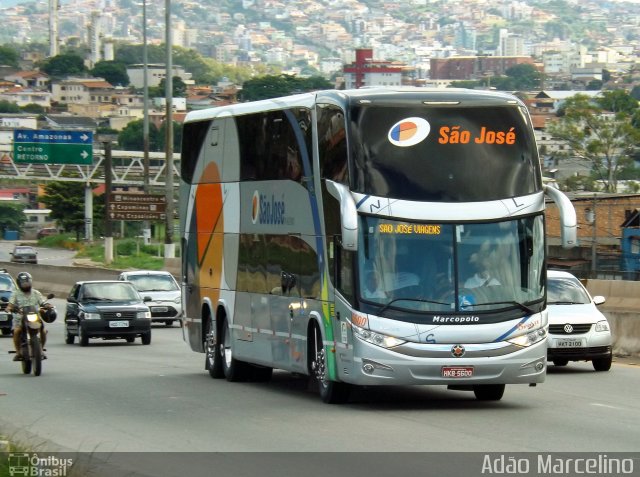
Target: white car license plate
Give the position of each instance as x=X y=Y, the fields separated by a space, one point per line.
x=457 y=371
x=160 y=309
x=569 y=343
x=119 y=324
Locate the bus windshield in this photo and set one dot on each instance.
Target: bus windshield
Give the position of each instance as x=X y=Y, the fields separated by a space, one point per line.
x=452 y=154
x=456 y=268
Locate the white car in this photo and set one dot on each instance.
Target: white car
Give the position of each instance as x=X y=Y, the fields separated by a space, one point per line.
x=578 y=331
x=164 y=291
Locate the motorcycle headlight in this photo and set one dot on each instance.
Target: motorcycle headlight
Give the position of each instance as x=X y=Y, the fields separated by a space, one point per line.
x=602 y=325
x=143 y=314
x=530 y=338
x=91 y=316
x=377 y=339
x=32 y=317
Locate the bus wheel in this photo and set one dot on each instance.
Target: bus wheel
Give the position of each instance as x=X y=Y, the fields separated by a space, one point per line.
x=331 y=392
x=488 y=392
x=234 y=370
x=213 y=356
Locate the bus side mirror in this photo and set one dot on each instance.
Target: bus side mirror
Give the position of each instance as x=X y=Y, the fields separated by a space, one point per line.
x=348 y=214
x=568 y=220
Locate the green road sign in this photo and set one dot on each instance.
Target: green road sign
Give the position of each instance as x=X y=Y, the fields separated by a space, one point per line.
x=34 y=146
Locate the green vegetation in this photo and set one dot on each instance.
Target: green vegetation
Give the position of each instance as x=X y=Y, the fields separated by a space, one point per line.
x=600 y=132
x=11 y=217
x=265 y=87
x=127 y=253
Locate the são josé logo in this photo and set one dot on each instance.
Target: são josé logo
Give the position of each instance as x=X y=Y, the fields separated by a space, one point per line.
x=267 y=210
x=409 y=132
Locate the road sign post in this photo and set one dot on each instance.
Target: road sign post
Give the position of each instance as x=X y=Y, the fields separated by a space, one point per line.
x=136 y=207
x=43 y=146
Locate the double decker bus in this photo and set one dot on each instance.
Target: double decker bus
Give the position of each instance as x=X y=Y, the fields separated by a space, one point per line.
x=368 y=237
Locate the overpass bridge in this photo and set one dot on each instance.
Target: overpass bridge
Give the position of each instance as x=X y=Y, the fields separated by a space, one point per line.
x=127 y=168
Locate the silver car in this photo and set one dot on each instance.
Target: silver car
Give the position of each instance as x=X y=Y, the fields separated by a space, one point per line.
x=164 y=291
x=578 y=331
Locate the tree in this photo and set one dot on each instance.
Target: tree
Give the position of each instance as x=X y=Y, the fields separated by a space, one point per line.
x=9 y=56
x=11 y=217
x=112 y=71
x=600 y=132
x=33 y=108
x=63 y=65
x=273 y=86
x=132 y=136
x=67 y=204
x=179 y=88
x=8 y=107
x=524 y=77
x=177 y=136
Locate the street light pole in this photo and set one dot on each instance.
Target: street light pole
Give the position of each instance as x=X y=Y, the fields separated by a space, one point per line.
x=108 y=233
x=146 y=227
x=169 y=246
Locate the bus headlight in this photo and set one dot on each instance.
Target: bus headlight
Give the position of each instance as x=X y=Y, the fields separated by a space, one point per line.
x=530 y=338
x=377 y=339
x=602 y=325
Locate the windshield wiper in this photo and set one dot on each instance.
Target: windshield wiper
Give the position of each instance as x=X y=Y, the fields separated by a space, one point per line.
x=421 y=300
x=565 y=303
x=95 y=298
x=515 y=304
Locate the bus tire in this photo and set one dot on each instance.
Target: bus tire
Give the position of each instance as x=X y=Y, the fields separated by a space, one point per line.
x=331 y=392
x=234 y=370
x=213 y=355
x=488 y=392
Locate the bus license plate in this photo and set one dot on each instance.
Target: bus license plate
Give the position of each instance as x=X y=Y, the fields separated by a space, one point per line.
x=118 y=324
x=568 y=343
x=457 y=371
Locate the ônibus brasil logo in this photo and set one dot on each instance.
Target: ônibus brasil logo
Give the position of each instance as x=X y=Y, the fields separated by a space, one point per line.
x=409 y=132
x=267 y=210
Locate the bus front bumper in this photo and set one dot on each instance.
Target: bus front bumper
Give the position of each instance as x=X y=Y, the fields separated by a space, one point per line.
x=373 y=365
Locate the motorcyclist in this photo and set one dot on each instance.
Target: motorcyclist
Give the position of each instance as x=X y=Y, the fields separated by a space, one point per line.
x=26 y=295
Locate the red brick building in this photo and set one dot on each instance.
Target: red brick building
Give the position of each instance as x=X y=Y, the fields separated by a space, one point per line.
x=474 y=67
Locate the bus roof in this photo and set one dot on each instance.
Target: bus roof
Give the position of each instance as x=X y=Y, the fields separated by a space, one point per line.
x=432 y=96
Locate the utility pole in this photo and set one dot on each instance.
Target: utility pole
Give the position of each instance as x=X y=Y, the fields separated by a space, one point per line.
x=594 y=254
x=106 y=139
x=169 y=246
x=146 y=226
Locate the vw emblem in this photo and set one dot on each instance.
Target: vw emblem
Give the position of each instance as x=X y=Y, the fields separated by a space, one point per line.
x=118 y=315
x=568 y=328
x=457 y=351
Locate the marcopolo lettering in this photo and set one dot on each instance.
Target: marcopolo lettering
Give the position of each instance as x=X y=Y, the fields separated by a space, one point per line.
x=456 y=319
x=271 y=210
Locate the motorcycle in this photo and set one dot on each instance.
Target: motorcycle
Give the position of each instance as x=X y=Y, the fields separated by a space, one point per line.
x=30 y=344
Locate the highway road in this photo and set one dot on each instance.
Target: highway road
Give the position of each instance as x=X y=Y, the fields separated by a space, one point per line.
x=46 y=256
x=155 y=411
x=112 y=397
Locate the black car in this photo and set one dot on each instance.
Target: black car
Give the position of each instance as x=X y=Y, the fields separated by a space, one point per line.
x=24 y=254
x=107 y=309
x=7 y=287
